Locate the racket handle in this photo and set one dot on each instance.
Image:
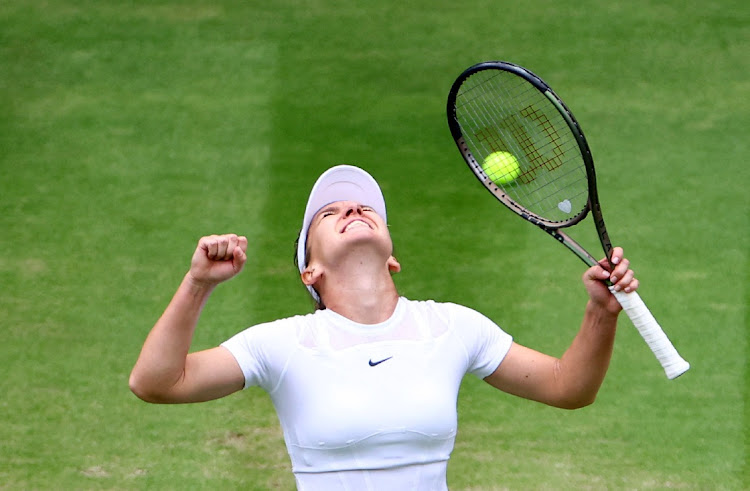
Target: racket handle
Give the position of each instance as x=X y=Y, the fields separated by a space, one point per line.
x=674 y=365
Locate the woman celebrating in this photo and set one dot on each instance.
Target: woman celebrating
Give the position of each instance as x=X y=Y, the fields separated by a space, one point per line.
x=366 y=386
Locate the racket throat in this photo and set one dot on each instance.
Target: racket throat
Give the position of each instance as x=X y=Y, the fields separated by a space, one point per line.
x=601 y=230
x=571 y=244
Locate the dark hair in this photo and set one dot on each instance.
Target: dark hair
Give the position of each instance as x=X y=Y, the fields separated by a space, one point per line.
x=319 y=305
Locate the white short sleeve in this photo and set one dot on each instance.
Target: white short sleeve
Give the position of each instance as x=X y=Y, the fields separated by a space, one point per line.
x=486 y=343
x=263 y=350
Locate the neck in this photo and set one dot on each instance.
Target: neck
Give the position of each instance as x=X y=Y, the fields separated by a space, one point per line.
x=363 y=295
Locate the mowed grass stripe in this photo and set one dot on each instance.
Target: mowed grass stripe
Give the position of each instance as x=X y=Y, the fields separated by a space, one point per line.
x=125 y=153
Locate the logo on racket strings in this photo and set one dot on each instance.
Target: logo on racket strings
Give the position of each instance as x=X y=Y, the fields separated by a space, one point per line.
x=565 y=206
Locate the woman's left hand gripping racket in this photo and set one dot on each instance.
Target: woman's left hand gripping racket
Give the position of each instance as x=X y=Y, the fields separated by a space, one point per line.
x=524 y=145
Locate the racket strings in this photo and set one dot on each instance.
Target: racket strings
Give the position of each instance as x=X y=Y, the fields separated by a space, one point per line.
x=500 y=111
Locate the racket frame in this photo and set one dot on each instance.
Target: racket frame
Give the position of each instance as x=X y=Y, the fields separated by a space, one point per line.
x=551 y=227
x=674 y=365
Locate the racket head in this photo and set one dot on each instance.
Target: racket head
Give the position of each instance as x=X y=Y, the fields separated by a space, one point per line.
x=497 y=106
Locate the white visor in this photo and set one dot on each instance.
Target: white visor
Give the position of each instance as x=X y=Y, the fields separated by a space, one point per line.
x=340 y=183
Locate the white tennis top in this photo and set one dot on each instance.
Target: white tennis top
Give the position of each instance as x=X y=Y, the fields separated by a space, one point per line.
x=370 y=407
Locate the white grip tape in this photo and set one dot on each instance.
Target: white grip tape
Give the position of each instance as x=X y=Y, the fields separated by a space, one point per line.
x=674 y=365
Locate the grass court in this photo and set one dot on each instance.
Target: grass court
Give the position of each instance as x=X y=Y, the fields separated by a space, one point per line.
x=130 y=129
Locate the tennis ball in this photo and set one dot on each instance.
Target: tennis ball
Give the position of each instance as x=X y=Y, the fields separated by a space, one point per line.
x=501 y=167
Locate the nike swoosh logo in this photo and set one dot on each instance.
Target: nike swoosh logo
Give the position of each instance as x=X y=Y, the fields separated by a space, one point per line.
x=375 y=363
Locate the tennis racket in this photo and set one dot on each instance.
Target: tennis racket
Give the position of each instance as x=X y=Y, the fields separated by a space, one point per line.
x=524 y=145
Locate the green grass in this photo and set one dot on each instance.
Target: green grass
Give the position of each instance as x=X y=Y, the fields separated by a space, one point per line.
x=128 y=130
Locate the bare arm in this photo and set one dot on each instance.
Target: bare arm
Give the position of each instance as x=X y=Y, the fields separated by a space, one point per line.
x=164 y=371
x=573 y=380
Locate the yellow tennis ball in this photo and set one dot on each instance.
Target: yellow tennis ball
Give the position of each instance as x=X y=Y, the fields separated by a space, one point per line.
x=501 y=167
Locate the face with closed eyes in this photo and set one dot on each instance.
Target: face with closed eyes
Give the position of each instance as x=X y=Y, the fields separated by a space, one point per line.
x=347 y=230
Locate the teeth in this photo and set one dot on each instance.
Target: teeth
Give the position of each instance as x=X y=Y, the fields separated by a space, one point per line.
x=354 y=224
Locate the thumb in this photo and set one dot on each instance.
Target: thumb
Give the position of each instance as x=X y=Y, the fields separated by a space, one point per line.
x=239 y=258
x=596 y=273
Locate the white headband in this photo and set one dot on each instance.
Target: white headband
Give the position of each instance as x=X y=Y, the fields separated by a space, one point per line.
x=340 y=183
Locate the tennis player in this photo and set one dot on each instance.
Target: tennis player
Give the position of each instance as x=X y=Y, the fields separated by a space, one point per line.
x=366 y=386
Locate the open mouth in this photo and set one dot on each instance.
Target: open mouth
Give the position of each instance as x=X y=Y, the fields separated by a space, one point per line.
x=355 y=224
